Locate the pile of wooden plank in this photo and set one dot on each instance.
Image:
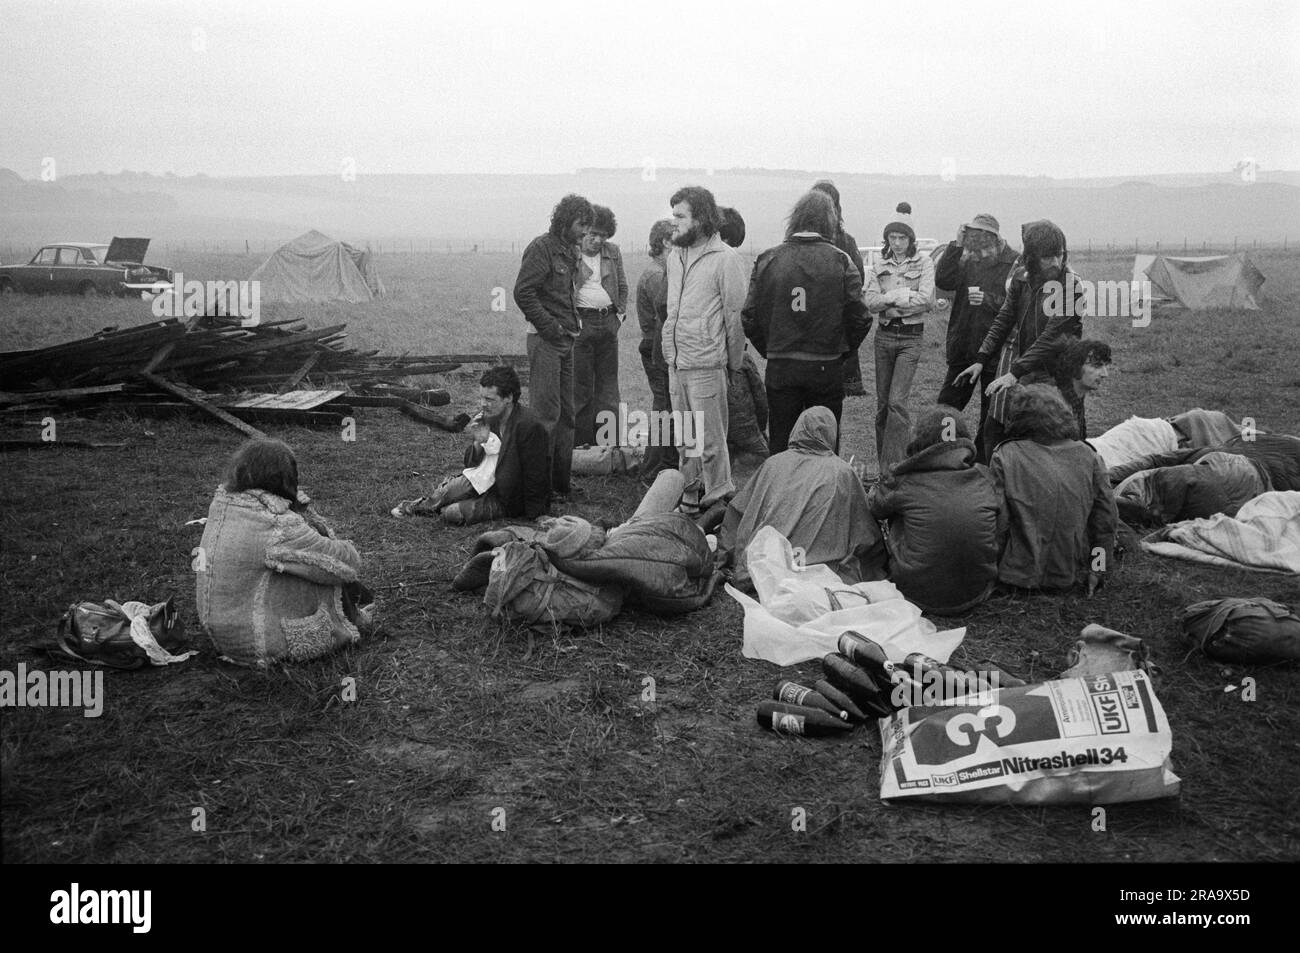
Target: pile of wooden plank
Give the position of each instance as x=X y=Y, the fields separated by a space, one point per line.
x=232 y=373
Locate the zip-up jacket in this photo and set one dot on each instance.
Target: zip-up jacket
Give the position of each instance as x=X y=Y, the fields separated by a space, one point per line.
x=706 y=290
x=1040 y=321
x=805 y=301
x=968 y=324
x=544 y=289
x=612 y=277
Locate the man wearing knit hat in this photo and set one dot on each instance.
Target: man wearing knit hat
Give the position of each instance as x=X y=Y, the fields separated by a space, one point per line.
x=974 y=270
x=900 y=290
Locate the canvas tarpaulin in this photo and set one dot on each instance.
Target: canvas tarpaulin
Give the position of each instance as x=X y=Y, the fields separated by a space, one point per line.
x=1221 y=281
x=314 y=267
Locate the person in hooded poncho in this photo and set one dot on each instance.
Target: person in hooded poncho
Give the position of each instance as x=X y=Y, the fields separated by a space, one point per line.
x=811 y=497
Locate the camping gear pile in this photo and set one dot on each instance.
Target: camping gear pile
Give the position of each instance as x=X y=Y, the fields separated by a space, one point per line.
x=232 y=373
x=1250 y=631
x=567 y=572
x=126 y=635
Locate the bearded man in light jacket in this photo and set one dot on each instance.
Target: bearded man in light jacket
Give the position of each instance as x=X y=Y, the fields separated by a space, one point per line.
x=703 y=341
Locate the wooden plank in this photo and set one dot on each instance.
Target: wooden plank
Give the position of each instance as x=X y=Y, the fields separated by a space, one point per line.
x=293 y=400
x=331 y=416
x=296 y=377
x=203 y=405
x=65 y=394
x=160 y=355
x=239 y=351
x=52 y=444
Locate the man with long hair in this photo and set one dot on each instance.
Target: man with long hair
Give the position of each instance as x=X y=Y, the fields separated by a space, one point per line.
x=1080 y=370
x=544 y=292
x=974 y=270
x=1043 y=310
x=1060 y=516
x=703 y=340
x=601 y=302
x=805 y=314
x=849 y=245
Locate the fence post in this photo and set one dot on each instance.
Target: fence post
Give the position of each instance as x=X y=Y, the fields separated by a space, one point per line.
x=1234 y=242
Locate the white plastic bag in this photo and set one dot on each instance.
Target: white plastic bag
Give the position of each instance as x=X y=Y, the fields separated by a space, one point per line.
x=795 y=593
x=798 y=620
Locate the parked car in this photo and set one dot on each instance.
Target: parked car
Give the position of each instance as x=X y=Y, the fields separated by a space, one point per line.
x=88 y=268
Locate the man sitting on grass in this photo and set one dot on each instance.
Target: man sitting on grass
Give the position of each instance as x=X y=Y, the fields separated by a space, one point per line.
x=520 y=482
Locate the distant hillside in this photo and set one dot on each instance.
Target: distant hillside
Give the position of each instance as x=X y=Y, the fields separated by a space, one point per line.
x=514 y=208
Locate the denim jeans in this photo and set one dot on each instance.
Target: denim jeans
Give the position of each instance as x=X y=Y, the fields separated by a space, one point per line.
x=595 y=374
x=550 y=395
x=897 y=355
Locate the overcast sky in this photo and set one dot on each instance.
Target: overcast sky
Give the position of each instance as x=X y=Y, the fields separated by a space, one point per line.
x=1060 y=89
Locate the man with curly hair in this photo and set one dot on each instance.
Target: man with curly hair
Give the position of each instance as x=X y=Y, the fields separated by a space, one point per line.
x=601 y=302
x=544 y=292
x=1060 y=515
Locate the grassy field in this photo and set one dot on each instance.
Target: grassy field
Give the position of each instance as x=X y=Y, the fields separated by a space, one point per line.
x=452 y=729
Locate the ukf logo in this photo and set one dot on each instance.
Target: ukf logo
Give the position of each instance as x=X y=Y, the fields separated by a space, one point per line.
x=78 y=906
x=192 y=299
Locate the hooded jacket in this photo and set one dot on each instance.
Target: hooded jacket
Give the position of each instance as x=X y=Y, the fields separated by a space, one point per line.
x=1037 y=319
x=810 y=496
x=706 y=290
x=271 y=586
x=805 y=301
x=943 y=513
x=1059 y=510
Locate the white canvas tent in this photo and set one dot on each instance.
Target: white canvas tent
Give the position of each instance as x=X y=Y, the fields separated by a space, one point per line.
x=314 y=267
x=1221 y=281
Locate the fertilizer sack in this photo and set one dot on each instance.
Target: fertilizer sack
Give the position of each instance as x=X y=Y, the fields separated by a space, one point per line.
x=1103 y=739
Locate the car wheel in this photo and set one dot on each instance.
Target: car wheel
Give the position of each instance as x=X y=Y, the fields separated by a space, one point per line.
x=6 y=287
x=87 y=289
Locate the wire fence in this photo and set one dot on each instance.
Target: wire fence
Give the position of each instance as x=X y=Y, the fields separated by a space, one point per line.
x=162 y=250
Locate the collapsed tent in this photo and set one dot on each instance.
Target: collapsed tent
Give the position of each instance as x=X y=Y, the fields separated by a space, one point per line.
x=1221 y=281
x=314 y=267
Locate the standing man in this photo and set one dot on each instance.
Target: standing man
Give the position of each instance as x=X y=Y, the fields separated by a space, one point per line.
x=544 y=292
x=849 y=245
x=974 y=269
x=651 y=310
x=702 y=338
x=900 y=288
x=805 y=314
x=601 y=302
x=1042 y=312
